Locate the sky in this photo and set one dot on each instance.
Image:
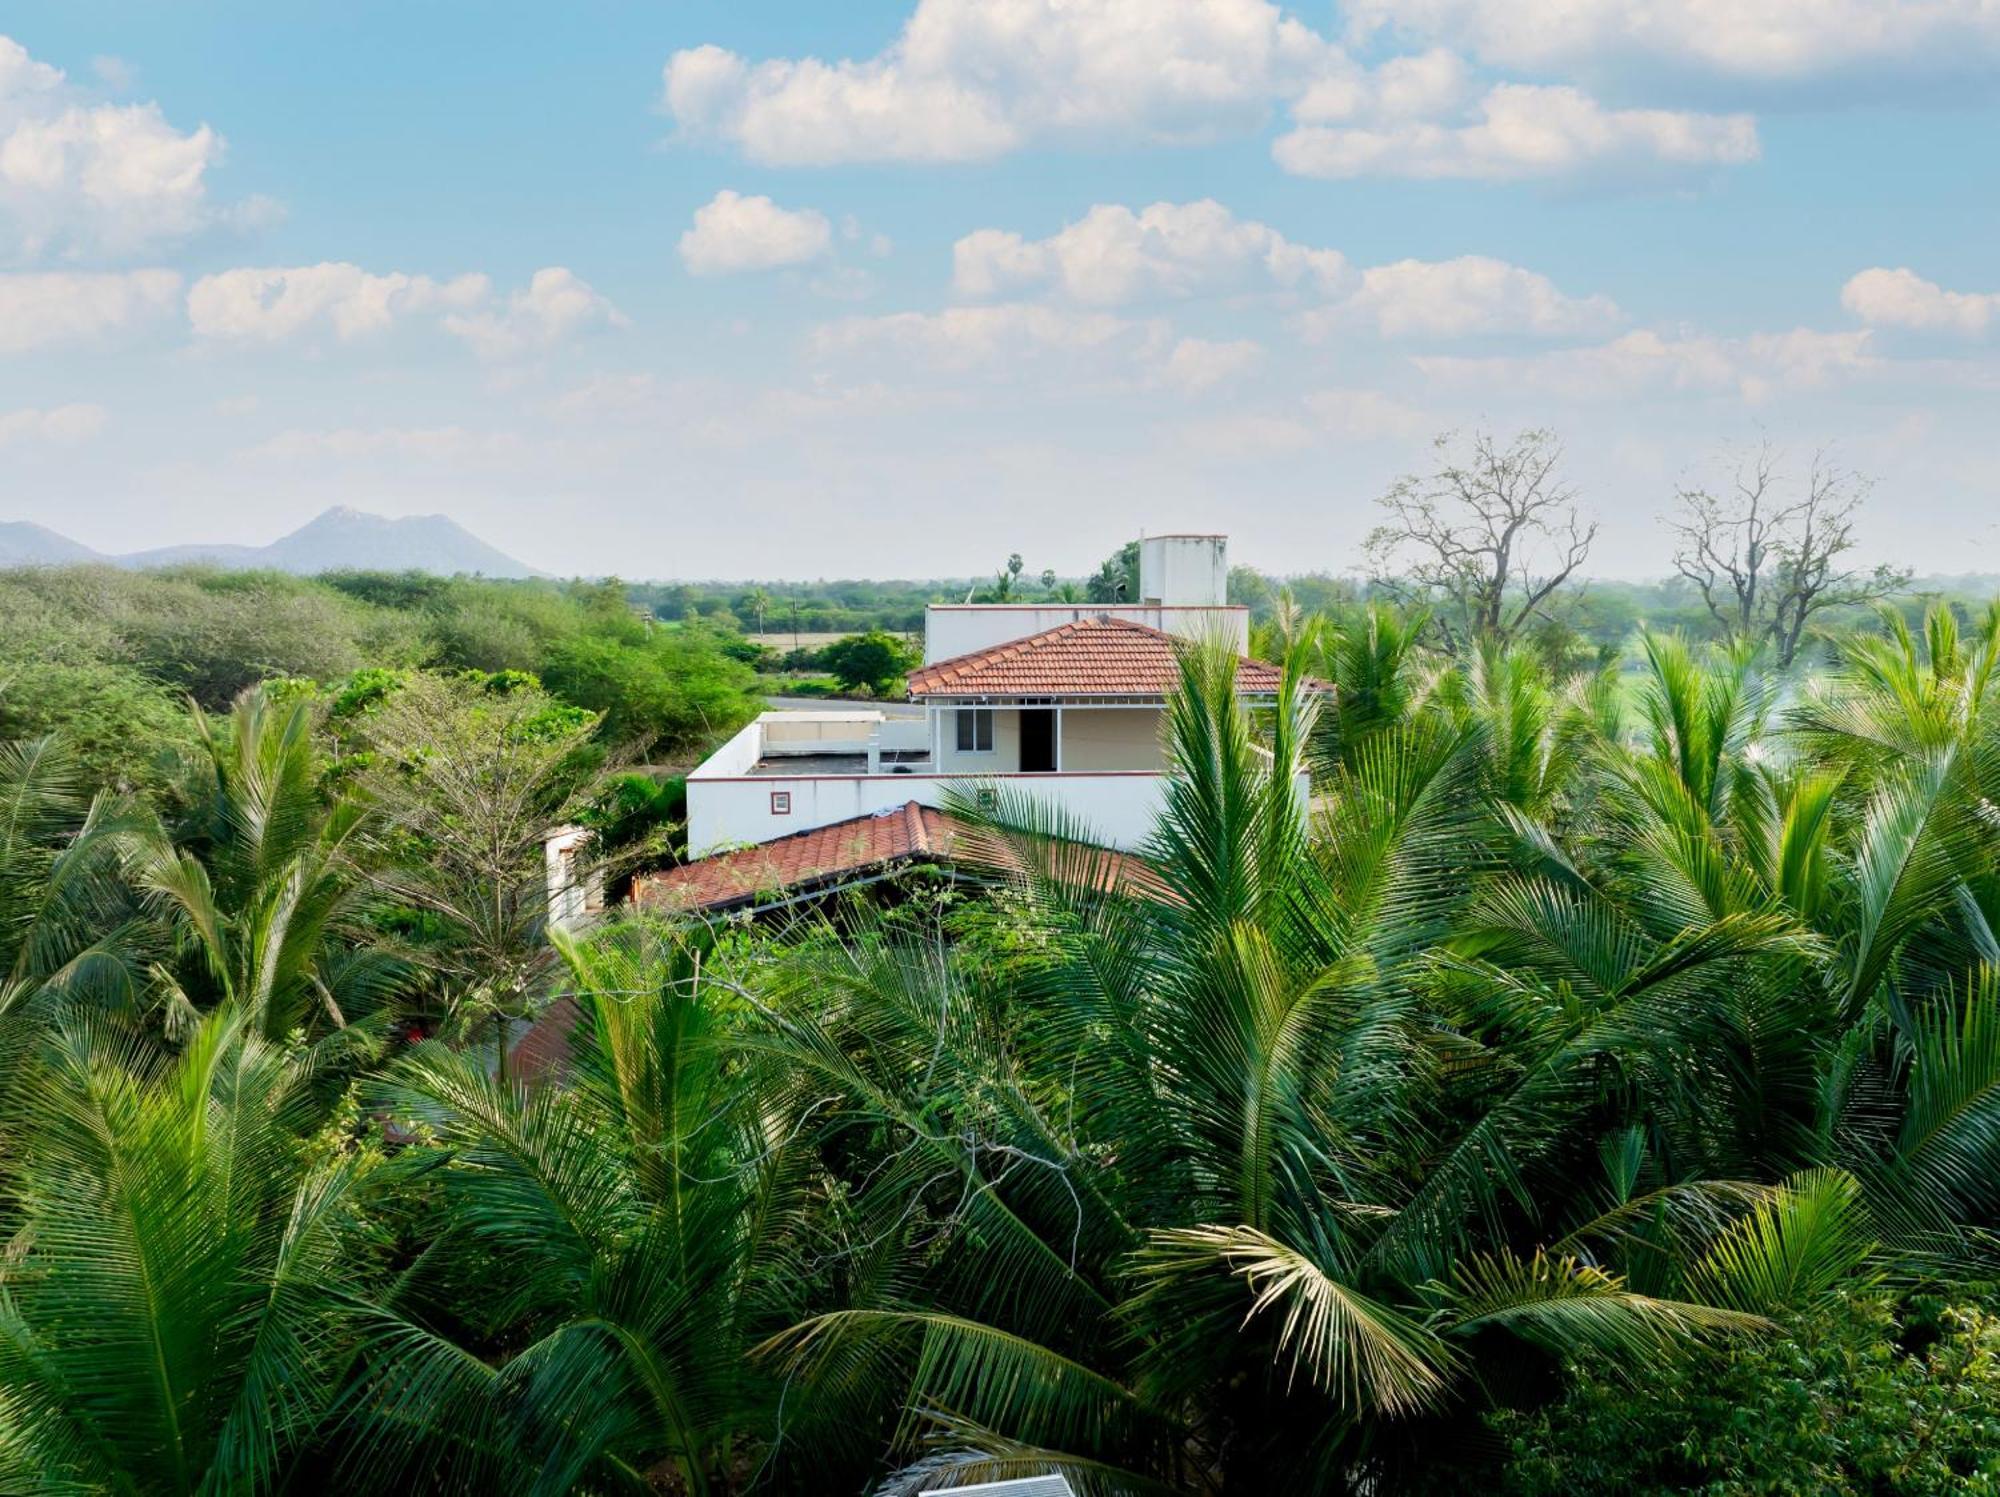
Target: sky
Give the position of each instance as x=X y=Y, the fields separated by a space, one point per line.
x=789 y=289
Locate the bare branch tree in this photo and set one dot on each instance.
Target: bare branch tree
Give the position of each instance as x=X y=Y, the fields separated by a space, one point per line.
x=1765 y=560
x=1487 y=538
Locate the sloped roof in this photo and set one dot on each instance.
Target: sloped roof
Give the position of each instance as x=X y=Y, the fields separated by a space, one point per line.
x=826 y=853
x=1088 y=657
x=830 y=855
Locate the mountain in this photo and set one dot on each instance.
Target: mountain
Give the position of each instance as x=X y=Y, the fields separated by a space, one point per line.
x=25 y=545
x=339 y=540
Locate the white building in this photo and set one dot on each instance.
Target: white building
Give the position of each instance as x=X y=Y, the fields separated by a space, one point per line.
x=1063 y=700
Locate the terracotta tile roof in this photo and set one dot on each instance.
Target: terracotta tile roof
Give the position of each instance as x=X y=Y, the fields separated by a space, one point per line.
x=1089 y=657
x=822 y=855
x=830 y=855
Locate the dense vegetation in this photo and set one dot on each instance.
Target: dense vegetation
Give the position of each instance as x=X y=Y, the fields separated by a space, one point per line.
x=1599 y=1091
x=108 y=658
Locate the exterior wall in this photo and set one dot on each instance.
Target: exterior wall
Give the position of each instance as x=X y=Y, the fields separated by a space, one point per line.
x=952 y=629
x=1006 y=755
x=1184 y=569
x=1118 y=810
x=1110 y=738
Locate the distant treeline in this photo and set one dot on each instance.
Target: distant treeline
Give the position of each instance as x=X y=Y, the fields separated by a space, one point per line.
x=110 y=657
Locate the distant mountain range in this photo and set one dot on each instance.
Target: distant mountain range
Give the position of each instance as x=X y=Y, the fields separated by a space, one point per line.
x=342 y=539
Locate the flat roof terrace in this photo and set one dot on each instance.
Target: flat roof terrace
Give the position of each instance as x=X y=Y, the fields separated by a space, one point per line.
x=911 y=761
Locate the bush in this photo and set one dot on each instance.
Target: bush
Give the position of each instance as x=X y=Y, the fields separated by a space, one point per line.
x=1867 y=1396
x=873 y=660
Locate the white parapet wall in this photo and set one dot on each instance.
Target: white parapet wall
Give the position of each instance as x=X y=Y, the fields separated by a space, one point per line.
x=953 y=629
x=1117 y=809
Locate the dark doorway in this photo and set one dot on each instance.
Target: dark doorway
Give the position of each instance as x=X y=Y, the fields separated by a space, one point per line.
x=1038 y=740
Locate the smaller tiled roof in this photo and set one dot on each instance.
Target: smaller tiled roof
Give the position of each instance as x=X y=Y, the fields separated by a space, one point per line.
x=832 y=855
x=1103 y=656
x=825 y=854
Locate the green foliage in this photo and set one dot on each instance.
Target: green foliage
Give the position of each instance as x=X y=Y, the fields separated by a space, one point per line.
x=871 y=661
x=1867 y=1394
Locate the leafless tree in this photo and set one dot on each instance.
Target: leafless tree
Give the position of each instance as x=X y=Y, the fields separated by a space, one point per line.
x=1487 y=538
x=1767 y=555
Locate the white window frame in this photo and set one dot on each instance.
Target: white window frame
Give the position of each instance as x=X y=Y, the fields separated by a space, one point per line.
x=781 y=802
x=971 y=717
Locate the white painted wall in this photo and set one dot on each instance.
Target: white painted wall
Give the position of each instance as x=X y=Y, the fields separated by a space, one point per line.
x=723 y=813
x=1110 y=738
x=952 y=629
x=1184 y=569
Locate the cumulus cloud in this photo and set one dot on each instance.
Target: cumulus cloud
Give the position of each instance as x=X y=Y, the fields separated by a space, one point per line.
x=973 y=79
x=556 y=304
x=1113 y=255
x=1519 y=131
x=273 y=304
x=1466 y=297
x=270 y=304
x=1647 y=362
x=61 y=426
x=964 y=338
x=1903 y=299
x=734 y=233
x=50 y=308
x=83 y=179
x=1740 y=39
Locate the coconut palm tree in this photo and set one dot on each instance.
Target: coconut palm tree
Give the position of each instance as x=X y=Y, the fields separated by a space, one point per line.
x=174 y=1293
x=70 y=933
x=606 y=1251
x=254 y=880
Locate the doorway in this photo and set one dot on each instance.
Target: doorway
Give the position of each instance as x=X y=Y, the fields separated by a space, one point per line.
x=1038 y=740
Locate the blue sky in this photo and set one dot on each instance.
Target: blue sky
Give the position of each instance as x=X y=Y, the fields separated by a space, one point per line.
x=786 y=289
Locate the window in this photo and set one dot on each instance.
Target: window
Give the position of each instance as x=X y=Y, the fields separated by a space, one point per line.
x=975 y=730
x=986 y=798
x=781 y=802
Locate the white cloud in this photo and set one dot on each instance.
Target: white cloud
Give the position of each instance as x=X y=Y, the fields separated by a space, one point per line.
x=1469 y=296
x=1519 y=131
x=1197 y=364
x=556 y=304
x=1113 y=255
x=267 y=305
x=83 y=179
x=62 y=426
x=734 y=233
x=1647 y=362
x=1904 y=299
x=1745 y=39
x=973 y=79
x=44 y=309
x=272 y=304
x=965 y=338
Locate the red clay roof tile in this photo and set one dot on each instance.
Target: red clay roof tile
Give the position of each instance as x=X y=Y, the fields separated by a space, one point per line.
x=1087 y=657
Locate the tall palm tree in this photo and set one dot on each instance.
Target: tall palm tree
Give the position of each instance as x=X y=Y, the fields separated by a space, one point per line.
x=70 y=934
x=1248 y=1173
x=255 y=881
x=606 y=1252
x=172 y=1302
